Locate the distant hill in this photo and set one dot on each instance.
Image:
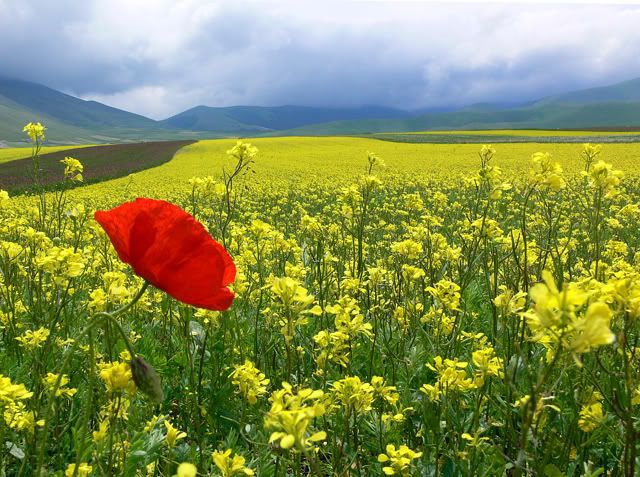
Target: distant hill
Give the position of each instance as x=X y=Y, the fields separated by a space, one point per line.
x=69 y=109
x=260 y=119
x=71 y=120
x=14 y=116
x=612 y=106
x=627 y=91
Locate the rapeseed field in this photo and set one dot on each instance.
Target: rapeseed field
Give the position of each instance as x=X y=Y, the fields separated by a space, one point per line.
x=379 y=309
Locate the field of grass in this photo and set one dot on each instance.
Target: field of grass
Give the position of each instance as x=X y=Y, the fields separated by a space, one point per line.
x=400 y=309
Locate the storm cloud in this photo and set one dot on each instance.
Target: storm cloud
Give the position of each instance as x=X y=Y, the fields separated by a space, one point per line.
x=159 y=57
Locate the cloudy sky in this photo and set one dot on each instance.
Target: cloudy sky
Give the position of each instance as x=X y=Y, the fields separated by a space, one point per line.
x=159 y=57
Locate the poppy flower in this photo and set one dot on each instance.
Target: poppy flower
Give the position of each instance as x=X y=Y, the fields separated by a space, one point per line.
x=171 y=250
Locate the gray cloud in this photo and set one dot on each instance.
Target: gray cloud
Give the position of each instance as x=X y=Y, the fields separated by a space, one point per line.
x=158 y=57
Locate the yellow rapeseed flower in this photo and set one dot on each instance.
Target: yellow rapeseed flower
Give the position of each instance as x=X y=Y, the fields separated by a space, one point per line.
x=398 y=461
x=34 y=131
x=186 y=470
x=230 y=466
x=84 y=470
x=173 y=434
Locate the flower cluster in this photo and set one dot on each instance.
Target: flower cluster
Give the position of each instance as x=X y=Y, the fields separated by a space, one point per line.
x=291 y=414
x=250 y=381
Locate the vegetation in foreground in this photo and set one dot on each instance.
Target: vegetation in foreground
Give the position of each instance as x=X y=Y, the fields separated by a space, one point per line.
x=444 y=324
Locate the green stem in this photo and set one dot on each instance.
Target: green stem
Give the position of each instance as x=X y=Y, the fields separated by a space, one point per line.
x=94 y=321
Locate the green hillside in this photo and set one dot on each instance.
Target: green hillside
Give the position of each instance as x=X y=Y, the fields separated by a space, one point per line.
x=624 y=91
x=71 y=110
x=13 y=117
x=204 y=118
x=552 y=115
x=613 y=106
x=71 y=120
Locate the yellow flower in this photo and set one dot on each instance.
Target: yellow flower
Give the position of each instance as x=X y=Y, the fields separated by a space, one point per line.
x=117 y=376
x=19 y=418
x=10 y=392
x=353 y=394
x=72 y=169
x=230 y=466
x=291 y=415
x=243 y=150
x=117 y=408
x=101 y=433
x=151 y=423
x=446 y=294
x=374 y=160
x=398 y=460
x=250 y=381
x=173 y=434
x=50 y=380
x=510 y=302
x=407 y=249
x=556 y=321
x=592 y=330
x=591 y=414
x=590 y=152
x=291 y=293
x=84 y=469
x=546 y=172
x=486 y=363
x=603 y=177
x=4 y=199
x=474 y=440
x=61 y=263
x=33 y=339
x=187 y=470
x=34 y=131
x=452 y=377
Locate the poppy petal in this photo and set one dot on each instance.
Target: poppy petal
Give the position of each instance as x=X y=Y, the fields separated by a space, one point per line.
x=171 y=250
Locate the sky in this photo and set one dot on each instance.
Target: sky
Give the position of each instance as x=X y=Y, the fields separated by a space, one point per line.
x=160 y=57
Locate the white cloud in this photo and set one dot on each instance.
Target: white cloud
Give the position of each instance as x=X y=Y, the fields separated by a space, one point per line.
x=157 y=57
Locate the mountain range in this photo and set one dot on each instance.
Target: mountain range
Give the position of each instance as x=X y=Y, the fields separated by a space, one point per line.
x=73 y=120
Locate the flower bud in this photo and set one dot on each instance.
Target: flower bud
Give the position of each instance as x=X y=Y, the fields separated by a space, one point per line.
x=146 y=379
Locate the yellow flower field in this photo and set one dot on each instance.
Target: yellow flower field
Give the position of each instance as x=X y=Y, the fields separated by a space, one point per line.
x=400 y=309
x=338 y=160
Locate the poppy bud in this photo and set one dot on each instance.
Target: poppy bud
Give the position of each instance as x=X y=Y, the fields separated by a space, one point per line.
x=146 y=379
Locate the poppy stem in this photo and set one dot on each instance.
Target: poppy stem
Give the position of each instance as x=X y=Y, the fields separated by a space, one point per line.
x=111 y=316
x=132 y=302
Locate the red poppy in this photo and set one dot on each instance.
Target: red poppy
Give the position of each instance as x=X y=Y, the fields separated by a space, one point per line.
x=171 y=250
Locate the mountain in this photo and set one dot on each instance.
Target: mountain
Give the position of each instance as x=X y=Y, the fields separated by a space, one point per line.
x=14 y=116
x=72 y=120
x=548 y=116
x=614 y=106
x=627 y=91
x=69 y=109
x=260 y=119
